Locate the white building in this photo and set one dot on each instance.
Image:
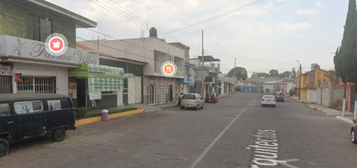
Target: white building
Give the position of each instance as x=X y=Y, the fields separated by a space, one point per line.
x=157 y=88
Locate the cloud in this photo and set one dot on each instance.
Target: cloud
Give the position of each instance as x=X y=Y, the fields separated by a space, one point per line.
x=293 y=27
x=306 y=11
x=319 y=4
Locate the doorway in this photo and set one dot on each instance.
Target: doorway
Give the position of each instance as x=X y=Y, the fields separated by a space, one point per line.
x=81 y=92
x=151 y=94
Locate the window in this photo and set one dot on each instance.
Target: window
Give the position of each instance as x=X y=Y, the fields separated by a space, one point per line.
x=26 y=107
x=189 y=96
x=4 y=109
x=37 y=85
x=39 y=28
x=311 y=78
x=5 y=84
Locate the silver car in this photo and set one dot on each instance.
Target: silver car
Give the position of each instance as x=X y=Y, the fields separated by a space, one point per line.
x=192 y=100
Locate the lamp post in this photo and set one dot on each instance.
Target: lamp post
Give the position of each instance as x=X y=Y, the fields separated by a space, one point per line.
x=299 y=79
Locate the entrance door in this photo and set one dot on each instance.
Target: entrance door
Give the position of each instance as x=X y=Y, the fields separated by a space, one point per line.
x=170 y=94
x=151 y=94
x=162 y=94
x=81 y=92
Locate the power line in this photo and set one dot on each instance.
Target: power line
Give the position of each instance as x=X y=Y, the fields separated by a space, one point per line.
x=195 y=23
x=249 y=15
x=217 y=16
x=168 y=35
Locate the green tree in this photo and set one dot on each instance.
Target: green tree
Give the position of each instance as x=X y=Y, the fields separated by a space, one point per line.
x=285 y=74
x=274 y=73
x=293 y=73
x=337 y=59
x=348 y=49
x=263 y=74
x=238 y=72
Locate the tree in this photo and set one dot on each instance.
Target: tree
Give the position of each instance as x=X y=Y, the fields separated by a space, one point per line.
x=293 y=73
x=238 y=72
x=285 y=74
x=337 y=59
x=263 y=74
x=348 y=49
x=274 y=73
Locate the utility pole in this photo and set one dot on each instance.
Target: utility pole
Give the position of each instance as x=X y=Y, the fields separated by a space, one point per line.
x=299 y=79
x=235 y=71
x=203 y=73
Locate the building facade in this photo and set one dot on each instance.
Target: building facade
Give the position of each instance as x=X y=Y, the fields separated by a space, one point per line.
x=26 y=67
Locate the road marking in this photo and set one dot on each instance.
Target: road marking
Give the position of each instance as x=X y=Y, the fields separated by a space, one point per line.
x=194 y=164
x=253 y=101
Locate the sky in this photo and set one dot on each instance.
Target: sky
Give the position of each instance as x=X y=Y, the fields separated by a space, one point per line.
x=260 y=34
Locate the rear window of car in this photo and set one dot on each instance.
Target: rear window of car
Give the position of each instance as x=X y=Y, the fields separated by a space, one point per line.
x=189 y=96
x=210 y=94
x=268 y=96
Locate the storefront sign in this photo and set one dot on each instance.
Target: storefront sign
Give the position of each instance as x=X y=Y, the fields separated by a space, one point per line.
x=31 y=49
x=105 y=84
x=95 y=95
x=6 y=70
x=100 y=77
x=18 y=77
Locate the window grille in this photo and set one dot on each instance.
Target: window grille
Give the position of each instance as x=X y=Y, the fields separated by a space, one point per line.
x=5 y=84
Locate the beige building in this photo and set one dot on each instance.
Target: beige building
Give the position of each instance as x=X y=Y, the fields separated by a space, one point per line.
x=157 y=89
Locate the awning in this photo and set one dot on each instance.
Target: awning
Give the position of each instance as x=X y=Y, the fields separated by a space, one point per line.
x=100 y=77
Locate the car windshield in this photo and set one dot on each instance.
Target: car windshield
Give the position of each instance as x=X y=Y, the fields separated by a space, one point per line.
x=189 y=96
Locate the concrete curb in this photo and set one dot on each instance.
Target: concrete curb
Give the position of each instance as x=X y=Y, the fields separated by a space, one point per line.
x=318 y=109
x=345 y=119
x=110 y=116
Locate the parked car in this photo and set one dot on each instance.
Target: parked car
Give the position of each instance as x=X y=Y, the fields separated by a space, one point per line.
x=192 y=100
x=354 y=132
x=211 y=97
x=24 y=116
x=279 y=96
x=268 y=100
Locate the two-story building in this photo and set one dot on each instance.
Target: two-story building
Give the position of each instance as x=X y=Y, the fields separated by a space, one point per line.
x=26 y=66
x=317 y=86
x=157 y=88
x=210 y=71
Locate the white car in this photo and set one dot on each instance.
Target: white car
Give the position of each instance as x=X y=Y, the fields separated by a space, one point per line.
x=268 y=100
x=192 y=100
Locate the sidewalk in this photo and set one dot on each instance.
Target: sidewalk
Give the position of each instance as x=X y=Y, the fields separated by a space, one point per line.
x=330 y=112
x=146 y=107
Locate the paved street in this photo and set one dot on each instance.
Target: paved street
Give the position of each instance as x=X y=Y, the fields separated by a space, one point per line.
x=237 y=132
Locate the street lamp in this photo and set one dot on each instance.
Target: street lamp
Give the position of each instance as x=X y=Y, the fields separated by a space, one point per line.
x=299 y=80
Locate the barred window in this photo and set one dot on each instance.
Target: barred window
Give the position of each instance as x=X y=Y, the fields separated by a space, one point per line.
x=5 y=84
x=37 y=85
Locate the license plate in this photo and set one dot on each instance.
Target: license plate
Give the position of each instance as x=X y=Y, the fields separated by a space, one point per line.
x=268 y=100
x=209 y=97
x=189 y=105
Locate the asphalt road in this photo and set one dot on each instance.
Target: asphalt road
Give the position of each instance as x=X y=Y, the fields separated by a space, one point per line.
x=236 y=132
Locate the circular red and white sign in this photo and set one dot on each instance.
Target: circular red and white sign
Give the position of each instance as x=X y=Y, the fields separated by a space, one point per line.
x=56 y=44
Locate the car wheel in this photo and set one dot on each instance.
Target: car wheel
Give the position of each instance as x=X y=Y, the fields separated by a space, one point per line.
x=353 y=136
x=59 y=134
x=274 y=105
x=182 y=107
x=4 y=147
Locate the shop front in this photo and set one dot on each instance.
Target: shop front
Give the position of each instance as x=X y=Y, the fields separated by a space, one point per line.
x=96 y=86
x=187 y=84
x=26 y=66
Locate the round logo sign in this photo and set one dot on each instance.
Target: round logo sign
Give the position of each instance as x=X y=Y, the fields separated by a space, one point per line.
x=168 y=69
x=56 y=44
